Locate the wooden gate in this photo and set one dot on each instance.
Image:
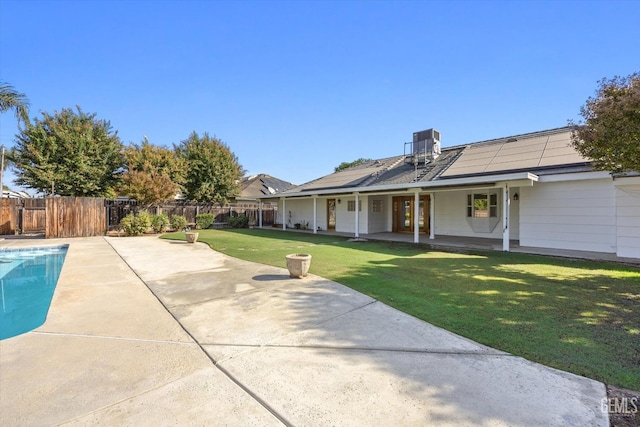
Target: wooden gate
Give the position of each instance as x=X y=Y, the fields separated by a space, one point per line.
x=34 y=216
x=75 y=217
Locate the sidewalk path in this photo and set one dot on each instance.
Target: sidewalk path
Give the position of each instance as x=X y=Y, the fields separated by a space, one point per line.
x=318 y=353
x=253 y=347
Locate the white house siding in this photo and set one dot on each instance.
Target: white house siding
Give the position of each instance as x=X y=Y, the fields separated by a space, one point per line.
x=346 y=220
x=380 y=222
x=514 y=221
x=578 y=215
x=301 y=212
x=451 y=215
x=321 y=207
x=628 y=220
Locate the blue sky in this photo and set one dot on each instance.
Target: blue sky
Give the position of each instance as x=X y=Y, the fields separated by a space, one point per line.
x=296 y=87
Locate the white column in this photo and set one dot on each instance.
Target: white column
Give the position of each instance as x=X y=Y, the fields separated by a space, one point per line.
x=260 y=214
x=416 y=220
x=432 y=216
x=506 y=207
x=315 y=214
x=284 y=214
x=357 y=216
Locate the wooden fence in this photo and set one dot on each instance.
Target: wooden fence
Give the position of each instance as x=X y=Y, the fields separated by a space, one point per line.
x=58 y=217
x=75 y=217
x=10 y=215
x=222 y=213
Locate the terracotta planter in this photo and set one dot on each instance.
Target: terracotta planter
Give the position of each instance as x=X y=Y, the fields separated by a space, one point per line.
x=191 y=237
x=298 y=265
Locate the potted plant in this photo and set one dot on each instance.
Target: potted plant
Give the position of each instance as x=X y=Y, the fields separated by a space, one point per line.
x=191 y=236
x=298 y=265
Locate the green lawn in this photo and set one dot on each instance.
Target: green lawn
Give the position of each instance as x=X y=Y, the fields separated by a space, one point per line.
x=579 y=316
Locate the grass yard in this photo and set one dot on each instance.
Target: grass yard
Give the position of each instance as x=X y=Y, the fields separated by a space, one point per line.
x=578 y=316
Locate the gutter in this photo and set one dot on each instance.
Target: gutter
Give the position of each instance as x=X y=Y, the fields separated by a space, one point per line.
x=408 y=187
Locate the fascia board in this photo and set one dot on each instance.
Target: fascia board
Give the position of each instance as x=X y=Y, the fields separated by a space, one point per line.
x=578 y=176
x=442 y=183
x=453 y=182
x=619 y=181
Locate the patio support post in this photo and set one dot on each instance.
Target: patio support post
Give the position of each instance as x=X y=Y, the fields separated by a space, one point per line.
x=284 y=214
x=432 y=216
x=416 y=220
x=357 y=217
x=260 y=214
x=315 y=214
x=506 y=206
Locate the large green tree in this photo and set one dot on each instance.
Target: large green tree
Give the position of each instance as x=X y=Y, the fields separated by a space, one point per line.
x=213 y=171
x=11 y=99
x=610 y=133
x=69 y=153
x=153 y=174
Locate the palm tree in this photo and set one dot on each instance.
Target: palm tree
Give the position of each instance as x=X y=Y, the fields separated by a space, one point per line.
x=10 y=99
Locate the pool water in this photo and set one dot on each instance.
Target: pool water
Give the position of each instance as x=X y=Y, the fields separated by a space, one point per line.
x=28 y=278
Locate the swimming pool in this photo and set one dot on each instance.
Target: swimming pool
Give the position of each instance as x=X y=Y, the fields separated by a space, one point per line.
x=28 y=278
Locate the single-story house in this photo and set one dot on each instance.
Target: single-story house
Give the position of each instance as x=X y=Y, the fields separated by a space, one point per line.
x=261 y=185
x=534 y=189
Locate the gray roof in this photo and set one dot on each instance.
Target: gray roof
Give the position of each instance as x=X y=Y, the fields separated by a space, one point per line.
x=262 y=184
x=392 y=170
x=538 y=152
x=523 y=152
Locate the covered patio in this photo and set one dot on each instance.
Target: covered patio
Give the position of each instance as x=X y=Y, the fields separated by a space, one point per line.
x=479 y=243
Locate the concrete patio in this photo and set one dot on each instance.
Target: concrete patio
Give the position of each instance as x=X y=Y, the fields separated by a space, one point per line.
x=156 y=332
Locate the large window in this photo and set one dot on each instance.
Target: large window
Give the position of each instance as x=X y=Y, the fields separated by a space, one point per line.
x=351 y=206
x=482 y=205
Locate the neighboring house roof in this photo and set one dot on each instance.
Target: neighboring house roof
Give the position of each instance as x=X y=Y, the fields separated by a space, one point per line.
x=537 y=152
x=10 y=194
x=261 y=185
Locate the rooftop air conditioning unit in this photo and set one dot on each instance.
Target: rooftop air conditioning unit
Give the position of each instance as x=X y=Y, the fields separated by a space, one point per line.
x=426 y=144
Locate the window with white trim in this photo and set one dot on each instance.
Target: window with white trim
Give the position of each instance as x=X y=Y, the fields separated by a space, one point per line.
x=351 y=206
x=482 y=205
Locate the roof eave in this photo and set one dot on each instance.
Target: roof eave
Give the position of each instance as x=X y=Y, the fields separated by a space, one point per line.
x=441 y=183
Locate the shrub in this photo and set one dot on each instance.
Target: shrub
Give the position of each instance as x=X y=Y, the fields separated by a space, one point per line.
x=159 y=223
x=143 y=222
x=241 y=221
x=135 y=225
x=178 y=222
x=126 y=223
x=205 y=220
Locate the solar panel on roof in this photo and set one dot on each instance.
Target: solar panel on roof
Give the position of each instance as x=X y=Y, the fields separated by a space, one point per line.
x=515 y=154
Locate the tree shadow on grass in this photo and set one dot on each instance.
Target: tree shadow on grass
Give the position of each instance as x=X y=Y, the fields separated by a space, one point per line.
x=576 y=316
x=316 y=346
